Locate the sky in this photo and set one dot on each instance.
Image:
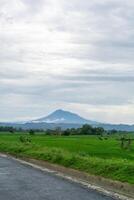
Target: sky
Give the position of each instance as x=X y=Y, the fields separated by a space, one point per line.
x=76 y=55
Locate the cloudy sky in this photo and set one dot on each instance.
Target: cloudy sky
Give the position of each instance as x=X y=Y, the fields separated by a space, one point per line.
x=77 y=55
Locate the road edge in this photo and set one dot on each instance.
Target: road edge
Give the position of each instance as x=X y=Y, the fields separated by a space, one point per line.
x=114 y=189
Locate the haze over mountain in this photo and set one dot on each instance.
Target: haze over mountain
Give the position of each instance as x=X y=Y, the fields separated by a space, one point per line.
x=66 y=117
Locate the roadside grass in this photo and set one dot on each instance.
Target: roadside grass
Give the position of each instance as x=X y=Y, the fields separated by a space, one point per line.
x=85 y=153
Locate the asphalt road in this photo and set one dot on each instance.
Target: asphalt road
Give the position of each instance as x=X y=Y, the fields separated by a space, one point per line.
x=21 y=182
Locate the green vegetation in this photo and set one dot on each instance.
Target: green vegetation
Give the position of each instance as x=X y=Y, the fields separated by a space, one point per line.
x=86 y=129
x=103 y=157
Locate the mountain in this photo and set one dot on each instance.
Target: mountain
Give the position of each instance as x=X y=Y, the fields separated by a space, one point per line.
x=65 y=117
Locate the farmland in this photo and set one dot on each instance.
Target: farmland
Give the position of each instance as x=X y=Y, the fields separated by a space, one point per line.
x=103 y=157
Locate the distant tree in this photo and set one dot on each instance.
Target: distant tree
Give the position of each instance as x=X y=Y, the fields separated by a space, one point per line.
x=31 y=132
x=86 y=130
x=58 y=131
x=11 y=130
x=67 y=132
x=48 y=132
x=74 y=131
x=99 y=131
x=112 y=132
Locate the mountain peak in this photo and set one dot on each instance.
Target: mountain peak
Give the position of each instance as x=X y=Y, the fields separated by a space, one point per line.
x=59 y=111
x=62 y=116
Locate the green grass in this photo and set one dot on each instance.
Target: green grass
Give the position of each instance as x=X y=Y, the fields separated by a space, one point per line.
x=86 y=153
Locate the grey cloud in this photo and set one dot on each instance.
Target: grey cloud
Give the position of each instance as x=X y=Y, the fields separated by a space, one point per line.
x=65 y=52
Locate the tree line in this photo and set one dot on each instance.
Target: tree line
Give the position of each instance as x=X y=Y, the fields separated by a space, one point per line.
x=84 y=130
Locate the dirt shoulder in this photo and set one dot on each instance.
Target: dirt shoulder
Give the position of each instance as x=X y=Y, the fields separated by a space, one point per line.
x=118 y=190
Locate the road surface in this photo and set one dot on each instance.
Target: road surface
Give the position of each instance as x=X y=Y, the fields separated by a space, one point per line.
x=21 y=182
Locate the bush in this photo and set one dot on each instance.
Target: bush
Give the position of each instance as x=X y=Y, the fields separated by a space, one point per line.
x=24 y=139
